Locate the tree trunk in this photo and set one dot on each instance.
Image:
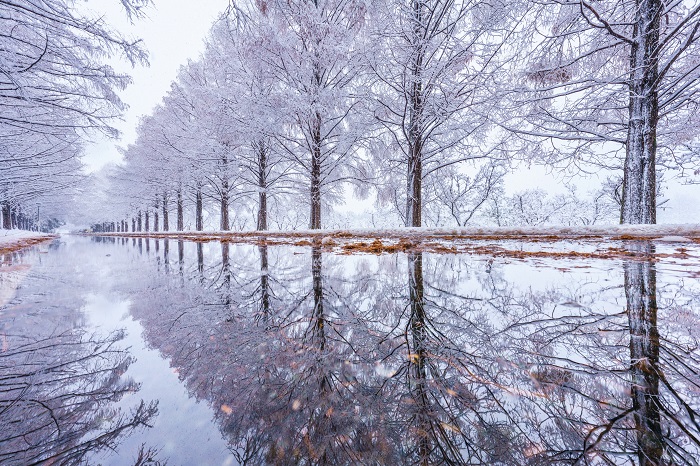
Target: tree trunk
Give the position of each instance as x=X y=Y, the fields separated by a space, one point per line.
x=133 y=224
x=640 y=291
x=315 y=222
x=414 y=189
x=155 y=214
x=262 y=186
x=140 y=223
x=318 y=319
x=6 y=216
x=264 y=284
x=224 y=207
x=147 y=226
x=200 y=259
x=181 y=256
x=199 y=208
x=166 y=222
x=226 y=273
x=418 y=356
x=414 y=178
x=180 y=216
x=639 y=185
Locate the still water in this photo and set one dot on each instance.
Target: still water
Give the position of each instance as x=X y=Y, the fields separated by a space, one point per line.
x=123 y=351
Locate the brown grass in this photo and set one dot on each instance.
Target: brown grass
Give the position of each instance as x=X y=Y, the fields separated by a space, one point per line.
x=343 y=242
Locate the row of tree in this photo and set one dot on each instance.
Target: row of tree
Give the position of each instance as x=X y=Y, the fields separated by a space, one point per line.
x=422 y=104
x=55 y=89
x=295 y=101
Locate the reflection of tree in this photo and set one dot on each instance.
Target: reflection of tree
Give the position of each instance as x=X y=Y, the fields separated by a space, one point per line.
x=264 y=312
x=56 y=395
x=640 y=290
x=609 y=387
x=349 y=365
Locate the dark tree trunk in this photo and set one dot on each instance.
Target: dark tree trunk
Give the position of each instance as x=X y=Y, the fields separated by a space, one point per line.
x=180 y=215
x=414 y=188
x=224 y=208
x=133 y=224
x=639 y=185
x=414 y=178
x=181 y=256
x=418 y=374
x=198 y=210
x=200 y=258
x=140 y=220
x=318 y=320
x=155 y=214
x=264 y=284
x=226 y=274
x=166 y=222
x=640 y=291
x=147 y=225
x=315 y=222
x=6 y=216
x=166 y=254
x=262 y=186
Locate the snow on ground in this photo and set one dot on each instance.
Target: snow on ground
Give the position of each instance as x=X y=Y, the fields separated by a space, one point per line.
x=674 y=233
x=15 y=239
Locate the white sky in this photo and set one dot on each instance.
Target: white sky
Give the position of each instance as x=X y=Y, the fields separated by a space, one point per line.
x=173 y=32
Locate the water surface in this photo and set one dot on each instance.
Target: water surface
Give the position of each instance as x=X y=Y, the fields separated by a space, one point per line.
x=220 y=354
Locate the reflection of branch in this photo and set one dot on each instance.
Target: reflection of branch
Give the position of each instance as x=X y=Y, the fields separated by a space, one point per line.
x=606 y=428
x=54 y=391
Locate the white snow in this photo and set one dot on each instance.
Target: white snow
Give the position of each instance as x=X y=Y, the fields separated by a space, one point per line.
x=11 y=237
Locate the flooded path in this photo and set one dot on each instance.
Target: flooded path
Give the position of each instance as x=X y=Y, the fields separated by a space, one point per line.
x=116 y=351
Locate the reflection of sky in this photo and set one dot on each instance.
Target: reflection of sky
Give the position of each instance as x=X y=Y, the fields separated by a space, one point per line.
x=76 y=273
x=176 y=409
x=473 y=300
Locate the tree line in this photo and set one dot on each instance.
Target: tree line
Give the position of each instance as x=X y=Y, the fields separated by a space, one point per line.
x=420 y=105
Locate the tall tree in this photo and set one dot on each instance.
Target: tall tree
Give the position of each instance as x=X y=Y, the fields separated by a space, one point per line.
x=312 y=49
x=54 y=87
x=615 y=83
x=431 y=69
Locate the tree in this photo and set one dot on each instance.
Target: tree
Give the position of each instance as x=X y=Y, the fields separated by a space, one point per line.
x=312 y=49
x=55 y=88
x=431 y=73
x=615 y=84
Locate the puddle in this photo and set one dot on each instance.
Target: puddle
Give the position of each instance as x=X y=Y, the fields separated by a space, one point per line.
x=302 y=354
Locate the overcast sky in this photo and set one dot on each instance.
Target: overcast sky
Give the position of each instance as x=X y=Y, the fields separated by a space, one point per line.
x=173 y=32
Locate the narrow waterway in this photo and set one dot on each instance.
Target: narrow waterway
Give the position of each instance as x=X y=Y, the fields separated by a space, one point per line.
x=118 y=350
